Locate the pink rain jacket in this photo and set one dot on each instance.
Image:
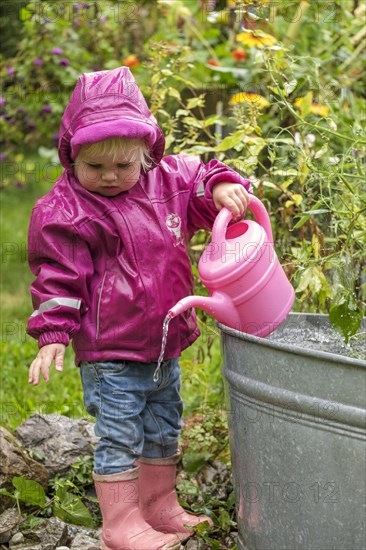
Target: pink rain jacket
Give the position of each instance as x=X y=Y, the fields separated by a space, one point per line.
x=108 y=269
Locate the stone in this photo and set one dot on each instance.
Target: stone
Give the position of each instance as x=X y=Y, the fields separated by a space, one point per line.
x=75 y=530
x=84 y=542
x=15 y=461
x=59 y=438
x=16 y=539
x=9 y=521
x=231 y=539
x=194 y=544
x=62 y=548
x=216 y=478
x=215 y=472
x=27 y=545
x=45 y=536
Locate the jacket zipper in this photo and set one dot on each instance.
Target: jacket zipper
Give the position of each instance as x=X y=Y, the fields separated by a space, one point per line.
x=99 y=302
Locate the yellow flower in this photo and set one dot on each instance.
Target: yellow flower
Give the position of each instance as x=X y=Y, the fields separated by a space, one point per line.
x=254 y=99
x=233 y=3
x=315 y=108
x=256 y=39
x=321 y=110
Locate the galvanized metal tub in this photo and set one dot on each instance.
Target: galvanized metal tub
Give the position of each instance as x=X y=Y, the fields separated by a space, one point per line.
x=297 y=424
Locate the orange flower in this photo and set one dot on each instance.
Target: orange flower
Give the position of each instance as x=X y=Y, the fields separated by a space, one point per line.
x=213 y=62
x=172 y=47
x=256 y=39
x=239 y=54
x=131 y=61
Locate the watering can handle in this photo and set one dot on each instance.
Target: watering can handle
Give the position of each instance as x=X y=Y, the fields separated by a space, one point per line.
x=224 y=216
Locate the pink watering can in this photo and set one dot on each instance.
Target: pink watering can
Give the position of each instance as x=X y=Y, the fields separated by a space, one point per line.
x=249 y=290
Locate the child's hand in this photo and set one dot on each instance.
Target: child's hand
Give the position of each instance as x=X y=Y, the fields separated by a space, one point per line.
x=42 y=363
x=233 y=196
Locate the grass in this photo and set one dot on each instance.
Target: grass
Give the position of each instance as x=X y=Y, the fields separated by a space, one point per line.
x=18 y=399
x=201 y=379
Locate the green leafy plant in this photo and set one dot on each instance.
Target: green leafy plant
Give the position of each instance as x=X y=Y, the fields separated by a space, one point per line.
x=65 y=500
x=205 y=438
x=78 y=475
x=70 y=508
x=69 y=491
x=301 y=142
x=27 y=491
x=221 y=509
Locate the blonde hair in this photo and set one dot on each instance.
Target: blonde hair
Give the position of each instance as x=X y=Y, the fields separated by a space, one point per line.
x=114 y=146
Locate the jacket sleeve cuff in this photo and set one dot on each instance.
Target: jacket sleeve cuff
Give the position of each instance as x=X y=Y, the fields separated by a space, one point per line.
x=56 y=337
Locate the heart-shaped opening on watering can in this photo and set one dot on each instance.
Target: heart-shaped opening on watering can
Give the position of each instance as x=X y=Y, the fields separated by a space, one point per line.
x=236 y=230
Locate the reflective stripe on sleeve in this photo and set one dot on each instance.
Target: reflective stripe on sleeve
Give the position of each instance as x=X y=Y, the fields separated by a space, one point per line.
x=200 y=190
x=55 y=302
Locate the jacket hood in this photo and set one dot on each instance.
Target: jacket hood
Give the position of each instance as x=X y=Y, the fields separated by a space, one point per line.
x=103 y=105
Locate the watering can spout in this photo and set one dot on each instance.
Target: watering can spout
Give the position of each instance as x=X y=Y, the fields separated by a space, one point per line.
x=219 y=306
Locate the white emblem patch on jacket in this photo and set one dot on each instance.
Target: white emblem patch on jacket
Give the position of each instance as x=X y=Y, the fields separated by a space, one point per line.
x=174 y=224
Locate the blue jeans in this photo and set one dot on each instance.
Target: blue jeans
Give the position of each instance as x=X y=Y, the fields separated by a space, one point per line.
x=134 y=415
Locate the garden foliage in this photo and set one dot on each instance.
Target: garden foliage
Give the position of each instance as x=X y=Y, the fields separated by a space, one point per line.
x=274 y=89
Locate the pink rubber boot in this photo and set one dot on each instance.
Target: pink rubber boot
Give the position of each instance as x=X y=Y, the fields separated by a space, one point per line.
x=158 y=498
x=124 y=528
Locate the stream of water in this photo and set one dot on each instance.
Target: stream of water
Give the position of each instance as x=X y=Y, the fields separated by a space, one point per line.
x=167 y=320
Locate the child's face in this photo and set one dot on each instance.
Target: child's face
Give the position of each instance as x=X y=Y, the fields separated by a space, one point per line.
x=105 y=176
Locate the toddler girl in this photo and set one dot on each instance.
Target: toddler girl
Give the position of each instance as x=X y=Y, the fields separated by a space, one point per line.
x=108 y=247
